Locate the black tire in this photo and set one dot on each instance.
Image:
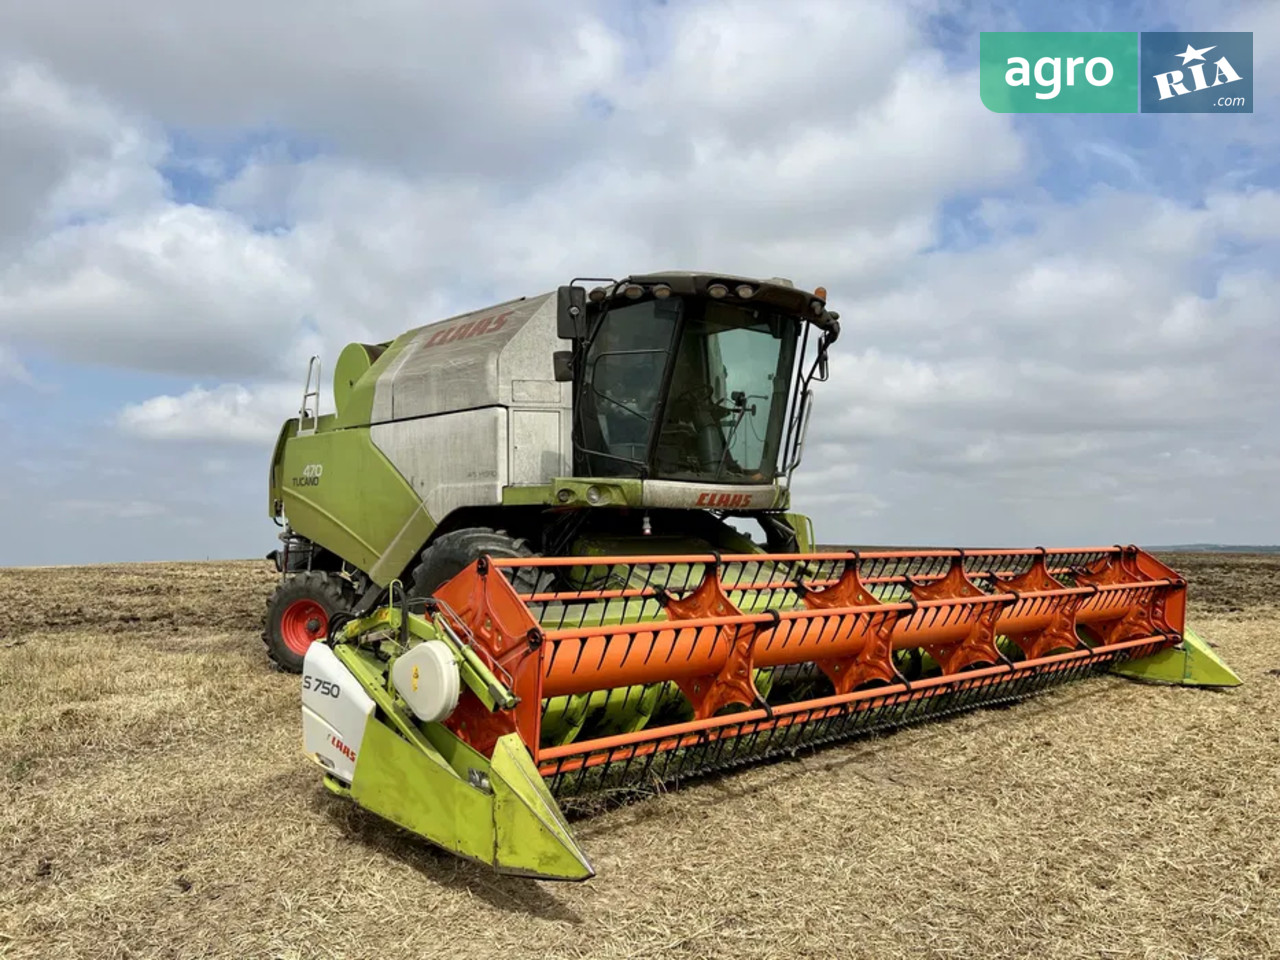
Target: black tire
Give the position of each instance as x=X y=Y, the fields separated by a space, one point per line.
x=453 y=552
x=298 y=613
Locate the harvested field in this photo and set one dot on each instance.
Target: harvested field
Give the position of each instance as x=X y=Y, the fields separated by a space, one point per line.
x=154 y=803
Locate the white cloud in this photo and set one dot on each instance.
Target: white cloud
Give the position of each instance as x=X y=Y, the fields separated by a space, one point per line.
x=725 y=176
x=227 y=413
x=66 y=154
x=180 y=289
x=442 y=86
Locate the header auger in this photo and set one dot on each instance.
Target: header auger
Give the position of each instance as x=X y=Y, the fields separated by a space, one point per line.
x=520 y=542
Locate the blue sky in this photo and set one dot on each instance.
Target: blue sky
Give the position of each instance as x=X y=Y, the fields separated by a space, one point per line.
x=1058 y=328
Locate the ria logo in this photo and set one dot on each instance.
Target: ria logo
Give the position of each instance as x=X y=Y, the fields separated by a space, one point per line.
x=1116 y=72
x=1197 y=73
x=1170 y=84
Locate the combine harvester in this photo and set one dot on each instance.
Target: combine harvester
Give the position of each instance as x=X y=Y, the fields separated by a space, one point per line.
x=520 y=542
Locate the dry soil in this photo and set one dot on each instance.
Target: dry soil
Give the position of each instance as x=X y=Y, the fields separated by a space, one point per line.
x=154 y=802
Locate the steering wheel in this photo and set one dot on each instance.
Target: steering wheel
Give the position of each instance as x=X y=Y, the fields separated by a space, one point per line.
x=703 y=398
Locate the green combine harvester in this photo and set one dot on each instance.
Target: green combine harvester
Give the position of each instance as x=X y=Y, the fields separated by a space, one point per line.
x=542 y=555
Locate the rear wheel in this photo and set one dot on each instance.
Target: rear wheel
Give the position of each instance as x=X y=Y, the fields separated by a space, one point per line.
x=453 y=552
x=298 y=614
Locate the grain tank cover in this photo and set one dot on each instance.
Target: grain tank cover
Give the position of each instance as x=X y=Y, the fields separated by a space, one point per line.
x=490 y=357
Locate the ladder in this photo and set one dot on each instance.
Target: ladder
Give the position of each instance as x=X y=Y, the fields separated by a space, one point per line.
x=309 y=416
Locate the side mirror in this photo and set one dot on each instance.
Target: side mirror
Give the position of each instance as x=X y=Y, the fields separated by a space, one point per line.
x=808 y=415
x=824 y=369
x=562 y=362
x=571 y=313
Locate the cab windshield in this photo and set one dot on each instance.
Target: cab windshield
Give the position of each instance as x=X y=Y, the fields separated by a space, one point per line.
x=686 y=389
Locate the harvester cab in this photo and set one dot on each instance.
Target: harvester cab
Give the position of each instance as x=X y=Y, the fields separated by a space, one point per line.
x=515 y=580
x=687 y=378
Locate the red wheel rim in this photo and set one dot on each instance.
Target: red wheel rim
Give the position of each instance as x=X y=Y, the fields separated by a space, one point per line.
x=303 y=622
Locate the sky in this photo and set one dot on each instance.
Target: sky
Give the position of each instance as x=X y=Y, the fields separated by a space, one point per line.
x=1057 y=329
